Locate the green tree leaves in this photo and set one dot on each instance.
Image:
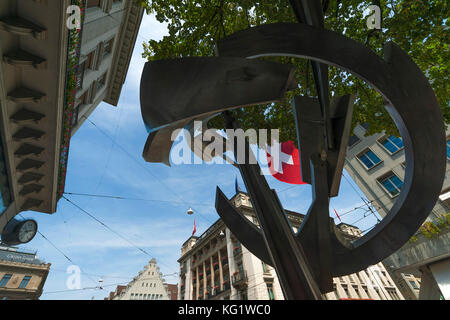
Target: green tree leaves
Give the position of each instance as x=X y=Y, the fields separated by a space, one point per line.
x=420 y=27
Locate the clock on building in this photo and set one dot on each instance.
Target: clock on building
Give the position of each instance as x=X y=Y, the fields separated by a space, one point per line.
x=19 y=231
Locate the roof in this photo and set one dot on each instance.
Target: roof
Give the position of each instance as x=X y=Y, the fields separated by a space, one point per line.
x=119 y=289
x=19 y=255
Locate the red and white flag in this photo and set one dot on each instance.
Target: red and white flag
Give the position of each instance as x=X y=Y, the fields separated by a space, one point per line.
x=283 y=160
x=193 y=231
x=337 y=215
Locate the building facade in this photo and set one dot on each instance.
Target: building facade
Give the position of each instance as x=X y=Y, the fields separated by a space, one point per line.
x=377 y=165
x=22 y=274
x=109 y=34
x=173 y=291
x=149 y=284
x=51 y=79
x=216 y=266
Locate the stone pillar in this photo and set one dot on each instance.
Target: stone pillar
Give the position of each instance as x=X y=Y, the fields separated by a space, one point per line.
x=220 y=270
x=441 y=273
x=197 y=282
x=429 y=289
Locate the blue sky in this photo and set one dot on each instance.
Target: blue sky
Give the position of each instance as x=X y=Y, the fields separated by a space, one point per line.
x=98 y=165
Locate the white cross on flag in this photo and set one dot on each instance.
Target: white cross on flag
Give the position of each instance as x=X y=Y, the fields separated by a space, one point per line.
x=284 y=162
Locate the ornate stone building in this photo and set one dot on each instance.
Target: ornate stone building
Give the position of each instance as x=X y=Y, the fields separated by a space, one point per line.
x=216 y=266
x=149 y=284
x=22 y=274
x=377 y=164
x=51 y=79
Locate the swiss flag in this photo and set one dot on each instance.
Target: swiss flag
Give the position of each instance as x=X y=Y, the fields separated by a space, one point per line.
x=284 y=162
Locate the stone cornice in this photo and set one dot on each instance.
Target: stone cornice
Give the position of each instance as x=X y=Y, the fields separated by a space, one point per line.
x=122 y=55
x=41 y=267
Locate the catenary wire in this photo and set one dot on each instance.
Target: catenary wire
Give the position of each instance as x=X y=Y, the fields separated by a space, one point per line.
x=109 y=228
x=147 y=170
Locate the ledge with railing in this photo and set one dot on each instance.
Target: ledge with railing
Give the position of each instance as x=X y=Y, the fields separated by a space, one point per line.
x=239 y=278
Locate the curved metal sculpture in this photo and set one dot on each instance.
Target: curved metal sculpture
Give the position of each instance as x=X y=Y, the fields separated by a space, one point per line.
x=176 y=92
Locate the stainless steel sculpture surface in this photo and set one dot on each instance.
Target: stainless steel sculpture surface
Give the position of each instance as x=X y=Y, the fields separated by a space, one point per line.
x=176 y=92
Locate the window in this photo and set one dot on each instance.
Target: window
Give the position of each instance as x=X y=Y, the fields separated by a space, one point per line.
x=84 y=97
x=353 y=140
x=100 y=83
x=359 y=278
x=378 y=292
x=108 y=47
x=357 y=291
x=347 y=294
x=270 y=291
x=366 y=291
x=24 y=282
x=265 y=267
x=5 y=280
x=369 y=158
x=392 y=184
x=393 y=294
x=89 y=63
x=336 y=294
x=392 y=144
x=145 y=296
x=132 y=296
x=448 y=149
x=80 y=74
x=75 y=115
x=413 y=284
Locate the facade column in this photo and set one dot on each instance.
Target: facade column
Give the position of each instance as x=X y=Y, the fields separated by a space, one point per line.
x=197 y=283
x=220 y=270
x=211 y=282
x=441 y=273
x=204 y=278
x=231 y=263
x=429 y=289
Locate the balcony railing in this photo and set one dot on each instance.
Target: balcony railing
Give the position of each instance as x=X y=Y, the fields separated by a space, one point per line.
x=237 y=250
x=224 y=261
x=226 y=285
x=239 y=278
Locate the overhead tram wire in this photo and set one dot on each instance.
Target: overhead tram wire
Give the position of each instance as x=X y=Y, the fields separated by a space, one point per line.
x=107 y=285
x=59 y=250
x=147 y=170
x=366 y=201
x=110 y=229
x=133 y=199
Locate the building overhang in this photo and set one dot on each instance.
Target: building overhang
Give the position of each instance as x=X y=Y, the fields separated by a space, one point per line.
x=122 y=56
x=33 y=48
